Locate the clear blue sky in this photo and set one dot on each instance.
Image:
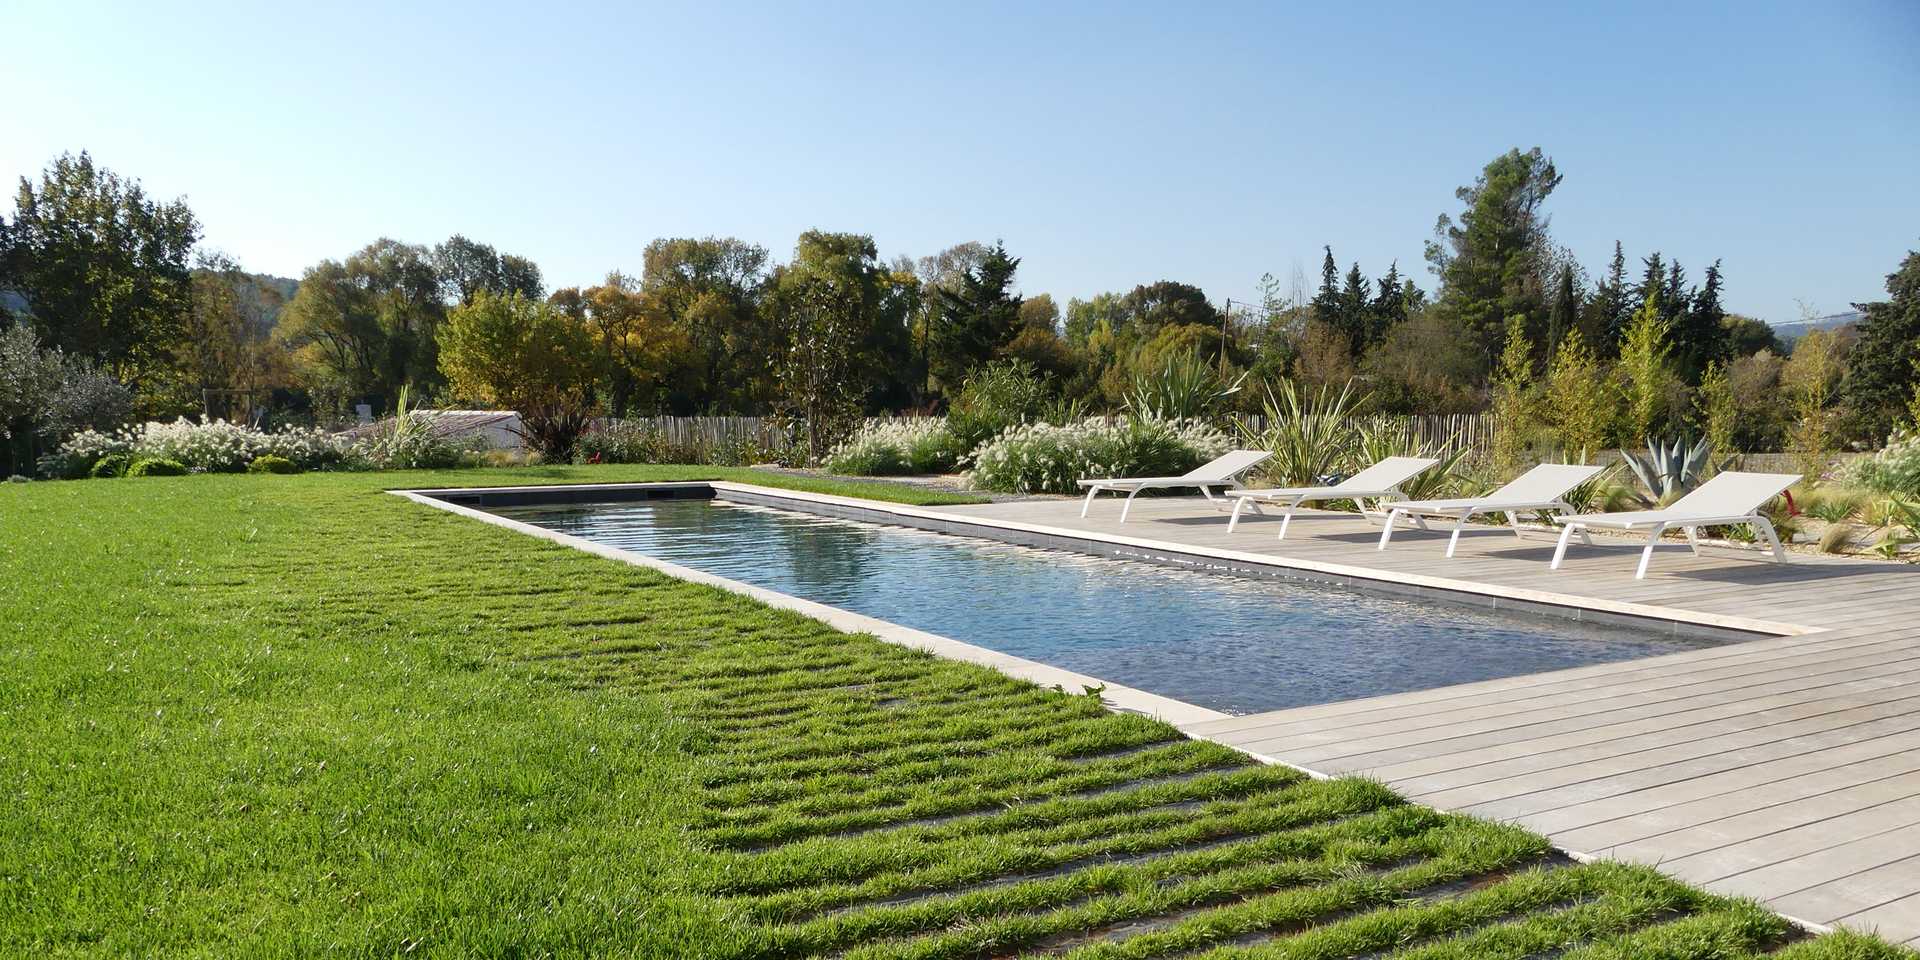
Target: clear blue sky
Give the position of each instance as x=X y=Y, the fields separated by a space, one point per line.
x=1108 y=145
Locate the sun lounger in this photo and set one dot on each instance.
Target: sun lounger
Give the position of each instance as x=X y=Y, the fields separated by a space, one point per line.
x=1728 y=499
x=1542 y=488
x=1223 y=472
x=1379 y=482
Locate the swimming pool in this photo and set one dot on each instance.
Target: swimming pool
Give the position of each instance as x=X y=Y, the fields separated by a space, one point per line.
x=1233 y=644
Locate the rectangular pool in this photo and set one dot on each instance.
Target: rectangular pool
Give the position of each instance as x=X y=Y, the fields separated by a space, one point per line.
x=1233 y=644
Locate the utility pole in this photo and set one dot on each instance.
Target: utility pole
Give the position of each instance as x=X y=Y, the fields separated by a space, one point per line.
x=1225 y=317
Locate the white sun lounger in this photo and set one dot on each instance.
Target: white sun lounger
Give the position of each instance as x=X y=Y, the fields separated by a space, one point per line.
x=1728 y=499
x=1379 y=482
x=1223 y=471
x=1542 y=488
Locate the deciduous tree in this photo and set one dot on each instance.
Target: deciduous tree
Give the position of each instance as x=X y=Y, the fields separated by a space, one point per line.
x=511 y=352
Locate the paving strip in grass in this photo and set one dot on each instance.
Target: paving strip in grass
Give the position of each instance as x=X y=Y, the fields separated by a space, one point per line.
x=296 y=716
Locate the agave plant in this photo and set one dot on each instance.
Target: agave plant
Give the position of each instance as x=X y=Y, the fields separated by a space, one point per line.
x=1307 y=434
x=1670 y=468
x=1185 y=388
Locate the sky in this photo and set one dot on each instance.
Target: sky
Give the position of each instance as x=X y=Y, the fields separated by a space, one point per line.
x=1107 y=144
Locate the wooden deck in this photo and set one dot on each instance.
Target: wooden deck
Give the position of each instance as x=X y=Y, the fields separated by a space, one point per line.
x=1784 y=768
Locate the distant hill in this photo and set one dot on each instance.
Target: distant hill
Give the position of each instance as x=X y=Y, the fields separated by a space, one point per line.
x=1789 y=332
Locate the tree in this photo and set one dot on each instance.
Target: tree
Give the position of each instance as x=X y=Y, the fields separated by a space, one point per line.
x=1563 y=318
x=1643 y=367
x=1809 y=378
x=1717 y=409
x=466 y=268
x=1325 y=305
x=1603 y=320
x=230 y=348
x=511 y=352
x=1153 y=307
x=1488 y=261
x=362 y=328
x=1039 y=312
x=823 y=323
x=1355 y=316
x=709 y=291
x=1394 y=299
x=1885 y=364
x=975 y=320
x=1513 y=396
x=1744 y=336
x=1581 y=412
x=103 y=269
x=636 y=346
x=1700 y=333
x=1085 y=316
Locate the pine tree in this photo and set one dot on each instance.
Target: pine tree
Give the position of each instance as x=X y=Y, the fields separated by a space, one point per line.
x=1389 y=304
x=1356 y=313
x=1674 y=296
x=1326 y=301
x=1652 y=285
x=1605 y=316
x=1700 y=336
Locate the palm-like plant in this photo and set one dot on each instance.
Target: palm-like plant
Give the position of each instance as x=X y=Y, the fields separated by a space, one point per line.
x=1380 y=438
x=1184 y=388
x=1670 y=468
x=1307 y=434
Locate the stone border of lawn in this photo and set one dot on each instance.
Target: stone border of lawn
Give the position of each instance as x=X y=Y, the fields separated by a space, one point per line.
x=1116 y=696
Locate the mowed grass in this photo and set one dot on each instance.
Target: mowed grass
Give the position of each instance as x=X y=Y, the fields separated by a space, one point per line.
x=296 y=716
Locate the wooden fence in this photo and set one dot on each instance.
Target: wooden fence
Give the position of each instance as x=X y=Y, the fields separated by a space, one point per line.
x=1474 y=430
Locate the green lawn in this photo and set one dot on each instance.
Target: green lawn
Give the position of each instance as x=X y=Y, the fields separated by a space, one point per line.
x=295 y=716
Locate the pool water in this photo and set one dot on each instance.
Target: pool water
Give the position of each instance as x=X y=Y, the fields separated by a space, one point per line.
x=1234 y=644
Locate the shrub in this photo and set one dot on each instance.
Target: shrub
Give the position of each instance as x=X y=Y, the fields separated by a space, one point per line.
x=893 y=447
x=272 y=463
x=157 y=467
x=996 y=397
x=622 y=441
x=1043 y=458
x=214 y=445
x=111 y=465
x=1895 y=469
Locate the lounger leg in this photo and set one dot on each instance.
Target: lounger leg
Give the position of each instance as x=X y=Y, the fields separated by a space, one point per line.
x=1288 y=518
x=1129 y=504
x=1513 y=519
x=1386 y=535
x=1693 y=539
x=1646 y=553
x=1764 y=527
x=1089 y=502
x=1453 y=540
x=1566 y=533
x=1235 y=520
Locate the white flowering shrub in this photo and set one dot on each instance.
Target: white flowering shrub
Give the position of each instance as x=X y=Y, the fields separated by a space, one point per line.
x=894 y=447
x=212 y=445
x=1895 y=469
x=309 y=448
x=1043 y=458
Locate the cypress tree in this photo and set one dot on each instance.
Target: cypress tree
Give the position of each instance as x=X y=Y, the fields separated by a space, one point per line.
x=1563 y=317
x=1326 y=301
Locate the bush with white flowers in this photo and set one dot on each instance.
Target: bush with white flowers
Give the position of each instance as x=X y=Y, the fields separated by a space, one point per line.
x=210 y=445
x=1043 y=458
x=888 y=447
x=1895 y=469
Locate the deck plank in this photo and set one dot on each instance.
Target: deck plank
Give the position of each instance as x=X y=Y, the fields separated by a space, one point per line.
x=1785 y=768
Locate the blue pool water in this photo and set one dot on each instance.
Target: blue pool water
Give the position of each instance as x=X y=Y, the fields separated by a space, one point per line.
x=1234 y=644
